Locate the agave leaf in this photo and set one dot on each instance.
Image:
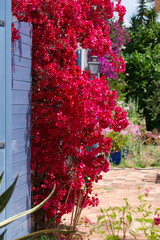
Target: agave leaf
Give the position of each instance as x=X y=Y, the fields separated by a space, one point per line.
x=2 y=235
x=4 y=198
x=30 y=236
x=11 y=219
x=1 y=178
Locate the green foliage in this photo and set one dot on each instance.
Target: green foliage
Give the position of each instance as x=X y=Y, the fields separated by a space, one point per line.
x=142 y=9
x=117 y=221
x=144 y=15
x=8 y=194
x=153 y=102
x=150 y=230
x=135 y=116
x=113 y=221
x=46 y=231
x=2 y=235
x=142 y=55
x=1 y=178
x=119 y=85
x=5 y=197
x=118 y=141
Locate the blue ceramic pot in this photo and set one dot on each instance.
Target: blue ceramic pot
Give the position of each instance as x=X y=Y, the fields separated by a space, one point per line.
x=115 y=157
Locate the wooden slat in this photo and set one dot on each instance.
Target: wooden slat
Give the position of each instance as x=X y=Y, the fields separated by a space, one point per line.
x=22 y=229
x=20 y=109
x=21 y=127
x=18 y=133
x=19 y=169
x=25 y=39
x=19 y=85
x=21 y=50
x=20 y=192
x=19 y=206
x=21 y=74
x=19 y=121
x=20 y=61
x=21 y=97
x=20 y=145
x=20 y=156
x=24 y=28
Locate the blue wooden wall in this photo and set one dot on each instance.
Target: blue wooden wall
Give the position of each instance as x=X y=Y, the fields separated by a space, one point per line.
x=21 y=127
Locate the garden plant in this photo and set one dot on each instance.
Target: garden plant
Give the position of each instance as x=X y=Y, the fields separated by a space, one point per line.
x=117 y=222
x=142 y=59
x=69 y=110
x=4 y=199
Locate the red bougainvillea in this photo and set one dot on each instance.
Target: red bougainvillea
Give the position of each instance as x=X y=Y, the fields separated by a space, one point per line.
x=15 y=33
x=69 y=110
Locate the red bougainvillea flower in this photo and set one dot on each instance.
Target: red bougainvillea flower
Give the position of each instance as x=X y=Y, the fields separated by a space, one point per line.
x=69 y=110
x=157 y=220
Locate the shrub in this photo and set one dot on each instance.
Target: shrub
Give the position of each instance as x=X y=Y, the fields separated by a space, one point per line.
x=68 y=109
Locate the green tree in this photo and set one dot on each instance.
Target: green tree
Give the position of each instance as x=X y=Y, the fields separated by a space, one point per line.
x=142 y=10
x=143 y=56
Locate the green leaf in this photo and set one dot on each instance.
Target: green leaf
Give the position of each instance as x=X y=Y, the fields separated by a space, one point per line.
x=11 y=219
x=118 y=228
x=158 y=209
x=140 y=229
x=107 y=210
x=114 y=215
x=116 y=223
x=100 y=218
x=5 y=197
x=104 y=222
x=1 y=178
x=35 y=234
x=129 y=218
x=2 y=235
x=101 y=210
x=120 y=209
x=148 y=220
x=139 y=219
x=133 y=234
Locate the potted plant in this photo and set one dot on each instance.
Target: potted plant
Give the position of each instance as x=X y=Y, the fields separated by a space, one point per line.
x=119 y=141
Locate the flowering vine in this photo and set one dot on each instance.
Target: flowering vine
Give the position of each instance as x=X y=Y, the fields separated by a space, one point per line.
x=119 y=38
x=69 y=110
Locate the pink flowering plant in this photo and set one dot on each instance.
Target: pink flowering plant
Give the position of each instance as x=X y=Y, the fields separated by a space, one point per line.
x=142 y=159
x=124 y=137
x=119 y=140
x=120 y=38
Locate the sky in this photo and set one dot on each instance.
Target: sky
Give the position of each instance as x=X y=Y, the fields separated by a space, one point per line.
x=131 y=7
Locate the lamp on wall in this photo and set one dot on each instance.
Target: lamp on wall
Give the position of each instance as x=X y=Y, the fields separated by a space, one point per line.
x=94 y=65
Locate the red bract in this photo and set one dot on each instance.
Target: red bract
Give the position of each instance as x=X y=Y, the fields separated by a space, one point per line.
x=15 y=33
x=69 y=111
x=157 y=221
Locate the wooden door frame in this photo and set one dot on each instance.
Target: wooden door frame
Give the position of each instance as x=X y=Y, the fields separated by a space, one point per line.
x=5 y=113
